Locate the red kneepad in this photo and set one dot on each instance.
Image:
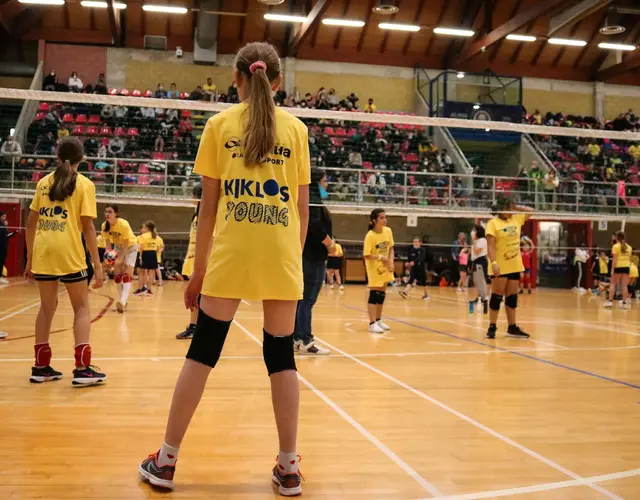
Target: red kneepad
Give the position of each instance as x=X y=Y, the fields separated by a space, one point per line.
x=43 y=354
x=83 y=355
x=126 y=278
x=117 y=278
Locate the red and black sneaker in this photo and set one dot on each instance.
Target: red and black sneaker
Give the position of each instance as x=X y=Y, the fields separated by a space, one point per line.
x=162 y=477
x=289 y=483
x=44 y=374
x=88 y=376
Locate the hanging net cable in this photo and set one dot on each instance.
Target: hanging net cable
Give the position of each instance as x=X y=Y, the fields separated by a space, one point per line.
x=142 y=149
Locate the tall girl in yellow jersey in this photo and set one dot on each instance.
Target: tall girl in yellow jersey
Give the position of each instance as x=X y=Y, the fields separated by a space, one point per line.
x=118 y=235
x=149 y=244
x=379 y=254
x=621 y=269
x=503 y=246
x=187 y=266
x=63 y=209
x=334 y=262
x=255 y=167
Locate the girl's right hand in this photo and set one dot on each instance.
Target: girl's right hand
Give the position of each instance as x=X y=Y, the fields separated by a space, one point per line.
x=28 y=273
x=98 y=279
x=496 y=269
x=192 y=292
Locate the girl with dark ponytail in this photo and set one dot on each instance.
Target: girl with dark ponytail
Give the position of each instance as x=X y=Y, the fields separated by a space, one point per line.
x=62 y=212
x=621 y=266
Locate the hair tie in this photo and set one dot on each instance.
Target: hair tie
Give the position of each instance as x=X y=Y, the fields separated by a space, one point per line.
x=256 y=65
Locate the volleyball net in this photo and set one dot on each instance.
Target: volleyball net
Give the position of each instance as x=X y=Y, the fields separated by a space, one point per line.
x=142 y=150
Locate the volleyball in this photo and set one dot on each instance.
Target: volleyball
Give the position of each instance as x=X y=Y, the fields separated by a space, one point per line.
x=110 y=257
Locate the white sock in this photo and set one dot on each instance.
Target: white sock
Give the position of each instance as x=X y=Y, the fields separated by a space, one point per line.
x=125 y=292
x=288 y=462
x=168 y=455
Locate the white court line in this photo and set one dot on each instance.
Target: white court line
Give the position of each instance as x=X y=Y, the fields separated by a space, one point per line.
x=246 y=303
x=20 y=311
x=594 y=326
x=426 y=485
x=474 y=422
x=13 y=283
x=587 y=481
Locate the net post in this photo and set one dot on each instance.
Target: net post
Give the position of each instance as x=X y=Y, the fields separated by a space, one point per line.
x=450 y=190
x=166 y=177
x=406 y=184
x=13 y=173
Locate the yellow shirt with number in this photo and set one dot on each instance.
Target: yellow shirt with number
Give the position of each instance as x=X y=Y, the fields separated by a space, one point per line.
x=187 y=266
x=57 y=249
x=507 y=237
x=624 y=258
x=256 y=251
x=375 y=244
x=119 y=234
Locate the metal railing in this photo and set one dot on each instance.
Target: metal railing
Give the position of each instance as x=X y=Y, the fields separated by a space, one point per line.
x=170 y=179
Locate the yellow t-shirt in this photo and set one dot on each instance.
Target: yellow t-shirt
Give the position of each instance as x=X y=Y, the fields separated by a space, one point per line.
x=603 y=263
x=633 y=271
x=378 y=244
x=339 y=252
x=209 y=88
x=187 y=265
x=256 y=250
x=147 y=243
x=57 y=249
x=119 y=234
x=160 y=247
x=100 y=240
x=370 y=108
x=634 y=151
x=507 y=236
x=624 y=259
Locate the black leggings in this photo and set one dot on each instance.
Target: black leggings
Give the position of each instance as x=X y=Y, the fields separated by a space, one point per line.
x=3 y=258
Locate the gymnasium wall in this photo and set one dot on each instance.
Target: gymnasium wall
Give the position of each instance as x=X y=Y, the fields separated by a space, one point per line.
x=15 y=82
x=88 y=61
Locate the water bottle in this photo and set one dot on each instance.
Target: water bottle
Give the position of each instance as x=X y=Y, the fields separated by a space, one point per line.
x=472 y=304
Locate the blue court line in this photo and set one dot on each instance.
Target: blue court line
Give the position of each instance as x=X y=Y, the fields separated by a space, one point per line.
x=515 y=353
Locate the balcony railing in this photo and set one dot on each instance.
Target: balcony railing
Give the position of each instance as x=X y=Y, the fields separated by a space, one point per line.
x=157 y=180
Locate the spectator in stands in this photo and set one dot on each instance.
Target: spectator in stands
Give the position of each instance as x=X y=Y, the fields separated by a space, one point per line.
x=281 y=97
x=120 y=113
x=537 y=117
x=62 y=133
x=10 y=152
x=160 y=92
x=91 y=146
x=353 y=100
x=594 y=149
x=50 y=81
x=173 y=92
x=75 y=84
x=355 y=159
x=550 y=185
x=308 y=101
x=232 y=94
x=445 y=161
x=209 y=90
x=370 y=107
x=172 y=116
x=101 y=85
x=107 y=113
x=197 y=94
x=186 y=126
x=116 y=146
x=158 y=145
x=45 y=144
x=102 y=151
x=634 y=153
x=332 y=98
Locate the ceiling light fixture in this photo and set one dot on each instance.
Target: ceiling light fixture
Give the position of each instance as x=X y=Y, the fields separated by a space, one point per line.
x=102 y=5
x=166 y=9
x=566 y=41
x=399 y=27
x=43 y=2
x=287 y=18
x=351 y=23
x=453 y=31
x=616 y=46
x=521 y=38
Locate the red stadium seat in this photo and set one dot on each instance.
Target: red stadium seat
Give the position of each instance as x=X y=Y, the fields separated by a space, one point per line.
x=633 y=202
x=81 y=119
x=158 y=155
x=412 y=158
x=94 y=119
x=106 y=131
x=67 y=118
x=119 y=132
x=44 y=107
x=329 y=131
x=340 y=132
x=40 y=116
x=144 y=180
x=185 y=113
x=136 y=93
x=78 y=130
x=132 y=132
x=113 y=91
x=92 y=130
x=148 y=93
x=36 y=176
x=125 y=92
x=367 y=165
x=184 y=95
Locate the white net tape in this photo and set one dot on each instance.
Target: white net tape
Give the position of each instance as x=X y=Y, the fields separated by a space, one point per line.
x=425 y=121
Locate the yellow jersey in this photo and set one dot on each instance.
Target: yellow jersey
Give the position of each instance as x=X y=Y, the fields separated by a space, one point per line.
x=507 y=237
x=603 y=263
x=187 y=266
x=256 y=251
x=160 y=247
x=119 y=234
x=147 y=243
x=633 y=271
x=339 y=252
x=58 y=249
x=100 y=240
x=381 y=243
x=624 y=258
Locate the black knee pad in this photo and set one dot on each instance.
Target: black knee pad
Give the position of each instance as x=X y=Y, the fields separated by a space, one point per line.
x=511 y=301
x=376 y=297
x=494 y=303
x=381 y=297
x=278 y=353
x=208 y=340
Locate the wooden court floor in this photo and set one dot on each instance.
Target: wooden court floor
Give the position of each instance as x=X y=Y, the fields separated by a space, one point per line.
x=431 y=409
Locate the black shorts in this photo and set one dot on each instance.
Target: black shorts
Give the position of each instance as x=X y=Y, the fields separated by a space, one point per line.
x=334 y=262
x=510 y=277
x=419 y=275
x=101 y=252
x=67 y=278
x=622 y=270
x=149 y=260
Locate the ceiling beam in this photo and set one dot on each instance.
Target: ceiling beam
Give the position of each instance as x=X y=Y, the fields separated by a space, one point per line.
x=443 y=9
x=243 y=21
x=619 y=69
x=629 y=38
x=65 y=12
x=574 y=14
x=416 y=19
x=536 y=10
x=336 y=40
x=114 y=23
x=542 y=46
x=592 y=37
x=470 y=11
x=561 y=52
x=313 y=19
x=498 y=45
x=363 y=33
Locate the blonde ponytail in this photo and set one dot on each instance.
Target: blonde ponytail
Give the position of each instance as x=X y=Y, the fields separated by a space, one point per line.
x=70 y=153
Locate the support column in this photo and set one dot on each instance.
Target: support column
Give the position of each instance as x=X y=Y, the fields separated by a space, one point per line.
x=598 y=96
x=289 y=71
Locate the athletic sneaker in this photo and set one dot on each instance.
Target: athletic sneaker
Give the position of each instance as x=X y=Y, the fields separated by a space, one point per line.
x=608 y=304
x=3 y=335
x=515 y=332
x=624 y=305
x=312 y=348
x=529 y=292
x=139 y=291
x=522 y=292
x=383 y=325
x=148 y=293
x=404 y=294
x=341 y=288
x=4 y=281
x=288 y=484
x=46 y=374
x=162 y=477
x=491 y=332
x=375 y=328
x=187 y=334
x=425 y=297
x=88 y=376
x=120 y=307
